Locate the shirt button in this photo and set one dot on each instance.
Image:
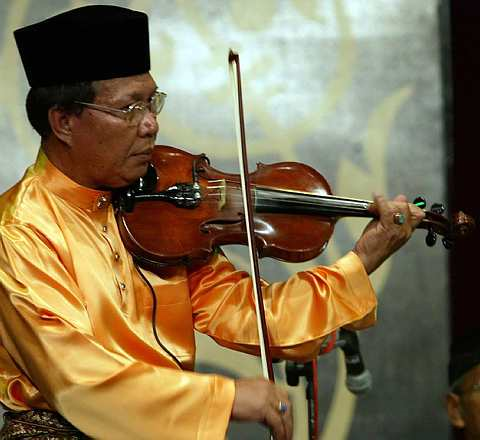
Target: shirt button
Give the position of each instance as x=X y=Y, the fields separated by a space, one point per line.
x=104 y=228
x=123 y=286
x=101 y=202
x=116 y=256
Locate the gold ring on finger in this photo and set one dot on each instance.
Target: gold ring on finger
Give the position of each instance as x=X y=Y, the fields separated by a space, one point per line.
x=398 y=218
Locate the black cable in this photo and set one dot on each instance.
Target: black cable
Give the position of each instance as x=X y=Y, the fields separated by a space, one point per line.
x=154 y=317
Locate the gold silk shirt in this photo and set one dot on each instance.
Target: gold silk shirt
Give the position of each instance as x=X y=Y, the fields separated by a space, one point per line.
x=75 y=318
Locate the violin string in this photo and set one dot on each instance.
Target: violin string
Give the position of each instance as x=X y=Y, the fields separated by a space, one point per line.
x=321 y=202
x=319 y=208
x=283 y=197
x=236 y=185
x=289 y=191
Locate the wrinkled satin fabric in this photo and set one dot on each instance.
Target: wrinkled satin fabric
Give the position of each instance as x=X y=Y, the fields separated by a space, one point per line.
x=75 y=318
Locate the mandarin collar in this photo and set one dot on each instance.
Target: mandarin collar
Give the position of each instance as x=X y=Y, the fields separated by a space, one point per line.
x=64 y=187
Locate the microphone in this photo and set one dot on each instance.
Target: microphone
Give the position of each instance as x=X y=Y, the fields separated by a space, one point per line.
x=359 y=379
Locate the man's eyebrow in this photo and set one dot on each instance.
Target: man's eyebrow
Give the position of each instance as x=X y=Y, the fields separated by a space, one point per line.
x=136 y=96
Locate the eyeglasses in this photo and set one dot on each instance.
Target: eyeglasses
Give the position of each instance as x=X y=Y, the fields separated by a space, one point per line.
x=474 y=388
x=134 y=113
x=456 y=388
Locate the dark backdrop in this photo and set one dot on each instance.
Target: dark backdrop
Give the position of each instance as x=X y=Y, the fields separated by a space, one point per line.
x=462 y=70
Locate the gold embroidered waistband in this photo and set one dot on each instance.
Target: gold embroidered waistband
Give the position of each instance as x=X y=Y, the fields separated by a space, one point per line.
x=38 y=424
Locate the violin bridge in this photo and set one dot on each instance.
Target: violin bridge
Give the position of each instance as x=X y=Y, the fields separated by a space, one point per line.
x=220 y=191
x=223 y=194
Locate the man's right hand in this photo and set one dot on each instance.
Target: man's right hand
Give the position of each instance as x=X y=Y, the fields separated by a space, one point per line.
x=259 y=400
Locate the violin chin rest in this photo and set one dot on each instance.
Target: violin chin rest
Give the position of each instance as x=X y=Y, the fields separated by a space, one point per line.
x=148 y=182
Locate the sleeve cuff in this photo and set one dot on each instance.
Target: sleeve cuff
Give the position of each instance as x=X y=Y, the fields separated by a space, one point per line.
x=217 y=415
x=355 y=272
x=360 y=294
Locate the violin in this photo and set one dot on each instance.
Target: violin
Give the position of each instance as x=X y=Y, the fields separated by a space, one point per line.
x=183 y=209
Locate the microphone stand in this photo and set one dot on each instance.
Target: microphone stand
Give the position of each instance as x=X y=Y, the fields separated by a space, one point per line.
x=294 y=370
x=358 y=379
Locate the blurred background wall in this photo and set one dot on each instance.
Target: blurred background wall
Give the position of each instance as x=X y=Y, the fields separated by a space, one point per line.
x=354 y=89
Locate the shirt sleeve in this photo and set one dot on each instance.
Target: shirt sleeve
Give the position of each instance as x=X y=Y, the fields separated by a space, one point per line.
x=300 y=311
x=45 y=329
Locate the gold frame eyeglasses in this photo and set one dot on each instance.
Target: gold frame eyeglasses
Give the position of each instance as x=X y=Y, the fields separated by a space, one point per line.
x=473 y=389
x=134 y=113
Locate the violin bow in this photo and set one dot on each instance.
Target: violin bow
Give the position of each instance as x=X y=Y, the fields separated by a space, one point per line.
x=234 y=67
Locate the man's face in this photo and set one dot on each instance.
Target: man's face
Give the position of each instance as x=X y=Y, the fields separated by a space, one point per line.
x=106 y=150
x=469 y=404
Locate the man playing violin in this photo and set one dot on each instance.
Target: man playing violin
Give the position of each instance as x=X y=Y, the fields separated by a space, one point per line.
x=78 y=356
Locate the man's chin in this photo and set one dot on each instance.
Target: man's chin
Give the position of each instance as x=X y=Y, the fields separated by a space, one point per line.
x=138 y=172
x=130 y=177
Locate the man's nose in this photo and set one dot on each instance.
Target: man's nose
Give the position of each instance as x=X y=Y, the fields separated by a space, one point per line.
x=148 y=125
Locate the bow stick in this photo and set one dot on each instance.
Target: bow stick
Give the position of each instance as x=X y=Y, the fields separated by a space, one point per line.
x=234 y=66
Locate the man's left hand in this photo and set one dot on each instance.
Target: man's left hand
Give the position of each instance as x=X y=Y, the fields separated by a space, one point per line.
x=397 y=219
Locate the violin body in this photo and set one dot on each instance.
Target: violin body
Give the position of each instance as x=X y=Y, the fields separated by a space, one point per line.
x=159 y=233
x=183 y=209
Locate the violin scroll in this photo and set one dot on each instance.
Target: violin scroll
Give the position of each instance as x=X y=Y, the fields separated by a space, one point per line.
x=460 y=226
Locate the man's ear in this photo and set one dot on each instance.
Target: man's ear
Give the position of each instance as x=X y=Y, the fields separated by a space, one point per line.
x=61 y=124
x=454 y=410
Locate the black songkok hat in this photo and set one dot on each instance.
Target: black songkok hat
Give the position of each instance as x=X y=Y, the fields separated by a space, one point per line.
x=464 y=355
x=85 y=44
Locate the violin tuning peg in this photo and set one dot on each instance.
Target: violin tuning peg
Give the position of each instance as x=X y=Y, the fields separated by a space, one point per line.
x=438 y=208
x=431 y=238
x=448 y=244
x=420 y=202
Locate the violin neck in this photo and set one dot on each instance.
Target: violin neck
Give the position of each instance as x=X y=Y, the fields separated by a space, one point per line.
x=295 y=202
